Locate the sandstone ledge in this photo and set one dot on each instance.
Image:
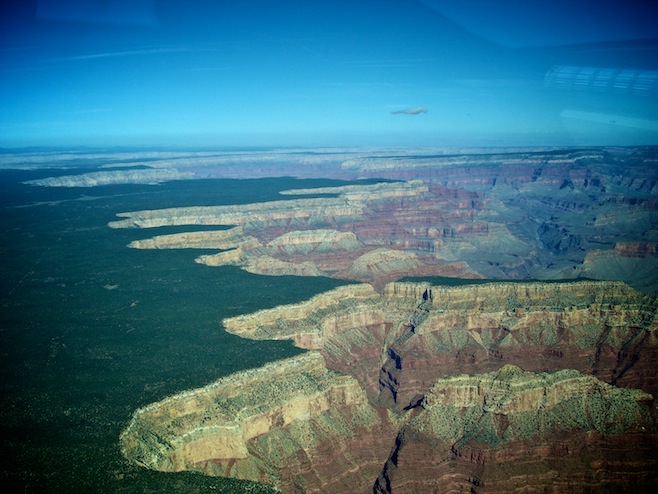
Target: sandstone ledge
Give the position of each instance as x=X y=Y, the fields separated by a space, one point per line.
x=232 y=238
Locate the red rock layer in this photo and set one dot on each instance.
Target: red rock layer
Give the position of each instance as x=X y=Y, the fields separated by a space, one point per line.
x=566 y=462
x=334 y=465
x=479 y=341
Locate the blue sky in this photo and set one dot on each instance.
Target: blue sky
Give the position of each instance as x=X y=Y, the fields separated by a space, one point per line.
x=311 y=72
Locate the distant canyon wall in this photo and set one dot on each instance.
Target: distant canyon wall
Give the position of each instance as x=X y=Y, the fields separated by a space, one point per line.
x=560 y=214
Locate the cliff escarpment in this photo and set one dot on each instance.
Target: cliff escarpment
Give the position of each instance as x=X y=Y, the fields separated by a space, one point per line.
x=420 y=388
x=552 y=214
x=518 y=431
x=398 y=343
x=294 y=424
x=351 y=236
x=128 y=176
x=409 y=387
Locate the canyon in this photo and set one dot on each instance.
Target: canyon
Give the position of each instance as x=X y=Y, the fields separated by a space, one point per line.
x=453 y=382
x=420 y=388
x=558 y=214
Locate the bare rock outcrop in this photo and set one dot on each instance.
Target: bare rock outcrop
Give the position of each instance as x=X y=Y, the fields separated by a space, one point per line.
x=251 y=216
x=419 y=388
x=501 y=214
x=129 y=176
x=305 y=242
x=232 y=238
x=399 y=343
x=410 y=387
x=604 y=329
x=293 y=424
x=518 y=431
x=384 y=261
x=341 y=237
x=302 y=428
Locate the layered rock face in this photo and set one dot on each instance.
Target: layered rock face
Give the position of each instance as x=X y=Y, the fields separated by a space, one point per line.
x=607 y=330
x=344 y=237
x=294 y=424
x=409 y=387
x=420 y=389
x=95 y=179
x=556 y=214
x=399 y=343
x=517 y=431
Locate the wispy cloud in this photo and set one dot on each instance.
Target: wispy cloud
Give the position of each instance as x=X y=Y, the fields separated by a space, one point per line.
x=410 y=111
x=90 y=111
x=116 y=54
x=363 y=84
x=392 y=62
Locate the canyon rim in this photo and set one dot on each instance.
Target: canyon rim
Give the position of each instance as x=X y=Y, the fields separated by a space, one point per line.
x=359 y=413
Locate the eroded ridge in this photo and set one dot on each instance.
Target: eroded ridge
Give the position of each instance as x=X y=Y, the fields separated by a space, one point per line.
x=513 y=430
x=290 y=422
x=542 y=214
x=421 y=387
x=282 y=431
x=345 y=236
x=396 y=344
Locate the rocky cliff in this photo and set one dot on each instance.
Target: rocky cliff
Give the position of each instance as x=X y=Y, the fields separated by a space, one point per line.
x=551 y=214
x=129 y=176
x=398 y=343
x=293 y=424
x=517 y=431
x=351 y=236
x=232 y=238
x=420 y=389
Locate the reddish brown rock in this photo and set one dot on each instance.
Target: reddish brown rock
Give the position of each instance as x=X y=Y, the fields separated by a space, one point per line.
x=514 y=431
x=293 y=424
x=608 y=332
x=520 y=214
x=549 y=214
x=377 y=400
x=399 y=343
x=636 y=249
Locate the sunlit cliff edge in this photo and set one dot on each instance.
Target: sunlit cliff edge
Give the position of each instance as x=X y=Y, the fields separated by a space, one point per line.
x=420 y=387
